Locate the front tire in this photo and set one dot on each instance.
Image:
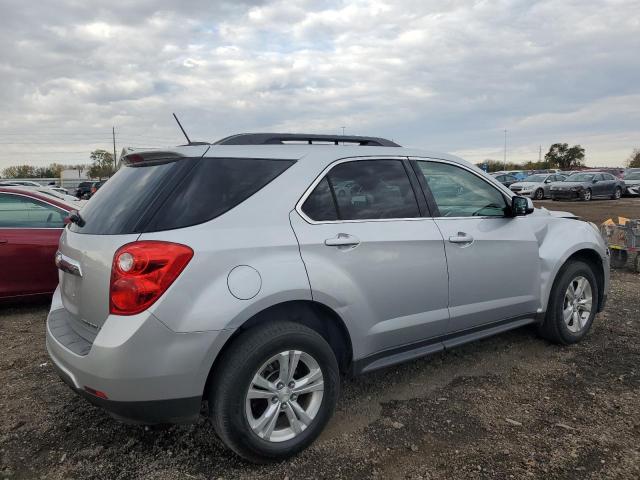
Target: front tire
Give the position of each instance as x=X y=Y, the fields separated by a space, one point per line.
x=587 y=195
x=617 y=193
x=573 y=304
x=539 y=195
x=274 y=390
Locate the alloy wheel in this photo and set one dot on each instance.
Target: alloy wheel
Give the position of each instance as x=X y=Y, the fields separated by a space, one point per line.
x=587 y=195
x=577 y=304
x=284 y=396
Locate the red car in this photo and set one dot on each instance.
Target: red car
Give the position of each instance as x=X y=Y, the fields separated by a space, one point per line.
x=30 y=227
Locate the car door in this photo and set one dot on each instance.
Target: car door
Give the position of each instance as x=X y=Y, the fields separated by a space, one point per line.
x=609 y=184
x=29 y=234
x=598 y=187
x=373 y=255
x=493 y=259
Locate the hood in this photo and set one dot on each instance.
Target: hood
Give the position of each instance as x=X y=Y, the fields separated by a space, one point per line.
x=632 y=182
x=526 y=184
x=553 y=213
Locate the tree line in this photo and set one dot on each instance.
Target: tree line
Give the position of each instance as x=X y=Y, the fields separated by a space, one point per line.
x=560 y=155
x=101 y=166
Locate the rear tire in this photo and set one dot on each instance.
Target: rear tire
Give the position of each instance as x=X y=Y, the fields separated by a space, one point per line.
x=248 y=389
x=570 y=315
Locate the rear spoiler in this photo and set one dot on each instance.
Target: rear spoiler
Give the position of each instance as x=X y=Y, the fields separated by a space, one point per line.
x=149 y=157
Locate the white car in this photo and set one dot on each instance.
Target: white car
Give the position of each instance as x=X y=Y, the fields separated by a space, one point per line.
x=53 y=193
x=632 y=182
x=536 y=186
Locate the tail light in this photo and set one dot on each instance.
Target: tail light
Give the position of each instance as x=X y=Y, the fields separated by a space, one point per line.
x=93 y=189
x=142 y=272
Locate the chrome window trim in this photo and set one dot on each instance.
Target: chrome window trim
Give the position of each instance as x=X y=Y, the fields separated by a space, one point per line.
x=37 y=200
x=327 y=169
x=501 y=190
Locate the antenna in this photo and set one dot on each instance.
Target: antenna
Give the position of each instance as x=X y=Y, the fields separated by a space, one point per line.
x=183 y=132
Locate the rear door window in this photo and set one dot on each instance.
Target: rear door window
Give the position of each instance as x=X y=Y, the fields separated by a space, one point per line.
x=363 y=190
x=176 y=193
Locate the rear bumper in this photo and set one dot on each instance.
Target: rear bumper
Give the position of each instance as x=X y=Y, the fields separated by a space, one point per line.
x=177 y=410
x=147 y=372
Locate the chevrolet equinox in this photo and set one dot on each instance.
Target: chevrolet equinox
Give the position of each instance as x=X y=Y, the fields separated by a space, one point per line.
x=256 y=272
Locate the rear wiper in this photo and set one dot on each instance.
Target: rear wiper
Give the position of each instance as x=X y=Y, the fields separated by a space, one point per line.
x=74 y=217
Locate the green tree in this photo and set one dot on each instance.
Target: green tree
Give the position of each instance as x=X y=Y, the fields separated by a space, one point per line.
x=634 y=159
x=101 y=164
x=562 y=156
x=19 y=171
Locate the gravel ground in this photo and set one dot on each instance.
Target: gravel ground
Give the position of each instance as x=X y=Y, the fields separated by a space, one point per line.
x=512 y=406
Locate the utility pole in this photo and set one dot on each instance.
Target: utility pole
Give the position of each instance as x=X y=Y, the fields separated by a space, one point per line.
x=115 y=163
x=505 y=148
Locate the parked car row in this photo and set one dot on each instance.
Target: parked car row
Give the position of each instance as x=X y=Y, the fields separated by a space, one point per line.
x=583 y=185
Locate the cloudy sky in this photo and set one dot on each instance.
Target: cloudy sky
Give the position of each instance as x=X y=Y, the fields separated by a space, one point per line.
x=443 y=75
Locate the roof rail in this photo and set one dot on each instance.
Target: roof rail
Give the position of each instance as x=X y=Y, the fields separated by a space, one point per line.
x=283 y=138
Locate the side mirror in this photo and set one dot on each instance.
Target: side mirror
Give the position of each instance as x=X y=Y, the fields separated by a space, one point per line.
x=595 y=180
x=521 y=206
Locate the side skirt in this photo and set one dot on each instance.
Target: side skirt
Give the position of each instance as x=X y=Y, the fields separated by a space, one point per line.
x=404 y=353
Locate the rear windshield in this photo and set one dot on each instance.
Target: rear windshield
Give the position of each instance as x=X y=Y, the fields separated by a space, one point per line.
x=174 y=194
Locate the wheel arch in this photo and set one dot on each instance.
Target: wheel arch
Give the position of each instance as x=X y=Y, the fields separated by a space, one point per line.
x=313 y=314
x=592 y=258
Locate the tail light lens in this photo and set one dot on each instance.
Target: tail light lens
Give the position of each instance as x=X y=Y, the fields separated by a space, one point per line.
x=142 y=272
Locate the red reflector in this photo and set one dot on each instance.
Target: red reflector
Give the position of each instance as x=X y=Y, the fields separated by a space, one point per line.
x=142 y=272
x=96 y=393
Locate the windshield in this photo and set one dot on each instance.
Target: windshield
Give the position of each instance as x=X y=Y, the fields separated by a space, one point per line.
x=633 y=176
x=536 y=178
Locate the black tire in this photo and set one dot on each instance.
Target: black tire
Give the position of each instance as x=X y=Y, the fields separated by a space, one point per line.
x=617 y=193
x=587 y=195
x=233 y=376
x=618 y=258
x=539 y=194
x=554 y=328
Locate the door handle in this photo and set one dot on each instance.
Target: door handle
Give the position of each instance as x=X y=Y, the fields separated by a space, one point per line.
x=461 y=237
x=342 y=240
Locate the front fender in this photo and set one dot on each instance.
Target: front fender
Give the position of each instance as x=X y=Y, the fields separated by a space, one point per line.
x=561 y=238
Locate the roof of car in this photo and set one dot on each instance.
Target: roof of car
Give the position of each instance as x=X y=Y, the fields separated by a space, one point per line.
x=26 y=191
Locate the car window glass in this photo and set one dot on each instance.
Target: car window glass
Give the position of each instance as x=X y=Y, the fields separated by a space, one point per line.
x=373 y=189
x=17 y=211
x=460 y=193
x=319 y=205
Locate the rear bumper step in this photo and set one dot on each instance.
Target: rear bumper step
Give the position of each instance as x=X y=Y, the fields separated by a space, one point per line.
x=175 y=410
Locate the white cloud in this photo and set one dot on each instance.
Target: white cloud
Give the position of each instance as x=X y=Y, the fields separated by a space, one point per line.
x=447 y=75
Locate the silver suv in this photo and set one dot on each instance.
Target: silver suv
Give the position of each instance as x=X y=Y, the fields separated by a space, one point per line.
x=253 y=273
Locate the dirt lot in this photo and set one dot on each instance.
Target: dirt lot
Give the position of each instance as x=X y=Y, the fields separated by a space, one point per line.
x=512 y=406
